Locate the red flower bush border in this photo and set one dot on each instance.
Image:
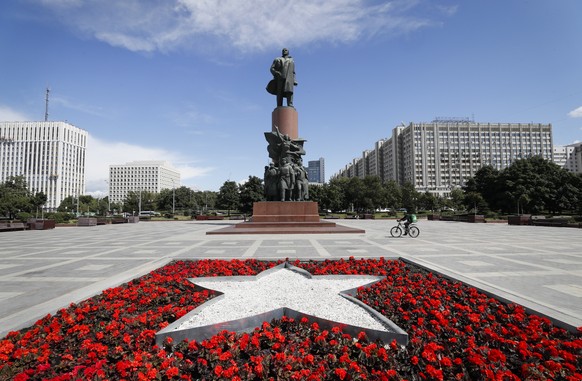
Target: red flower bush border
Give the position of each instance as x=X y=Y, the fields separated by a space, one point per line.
x=455 y=332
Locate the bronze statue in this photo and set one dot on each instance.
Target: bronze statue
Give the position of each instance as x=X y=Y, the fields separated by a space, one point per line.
x=286 y=180
x=271 y=179
x=283 y=70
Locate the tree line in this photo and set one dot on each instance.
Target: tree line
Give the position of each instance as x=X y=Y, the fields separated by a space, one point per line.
x=533 y=185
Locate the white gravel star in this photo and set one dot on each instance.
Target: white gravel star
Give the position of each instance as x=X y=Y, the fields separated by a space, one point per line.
x=245 y=300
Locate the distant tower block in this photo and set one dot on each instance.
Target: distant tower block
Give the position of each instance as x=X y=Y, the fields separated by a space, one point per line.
x=286 y=119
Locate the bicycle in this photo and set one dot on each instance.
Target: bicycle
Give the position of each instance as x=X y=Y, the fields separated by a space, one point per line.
x=397 y=230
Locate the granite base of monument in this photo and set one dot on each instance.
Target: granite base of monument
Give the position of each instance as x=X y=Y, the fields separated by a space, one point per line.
x=286 y=217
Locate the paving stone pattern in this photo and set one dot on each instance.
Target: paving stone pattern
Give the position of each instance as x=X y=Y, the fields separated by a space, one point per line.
x=42 y=271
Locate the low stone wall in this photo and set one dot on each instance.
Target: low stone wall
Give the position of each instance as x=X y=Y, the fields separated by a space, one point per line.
x=87 y=221
x=204 y=218
x=464 y=218
x=12 y=226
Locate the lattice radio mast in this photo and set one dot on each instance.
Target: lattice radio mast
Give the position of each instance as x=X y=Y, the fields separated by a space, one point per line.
x=46 y=102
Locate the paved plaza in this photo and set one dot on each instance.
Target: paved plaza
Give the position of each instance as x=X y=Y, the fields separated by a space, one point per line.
x=44 y=270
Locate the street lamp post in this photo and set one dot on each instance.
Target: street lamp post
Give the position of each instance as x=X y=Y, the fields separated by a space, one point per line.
x=108 y=198
x=173 y=197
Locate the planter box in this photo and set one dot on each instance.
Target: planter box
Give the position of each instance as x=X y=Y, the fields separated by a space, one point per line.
x=87 y=221
x=133 y=219
x=13 y=226
x=40 y=224
x=475 y=218
x=523 y=219
x=433 y=217
x=204 y=218
x=464 y=218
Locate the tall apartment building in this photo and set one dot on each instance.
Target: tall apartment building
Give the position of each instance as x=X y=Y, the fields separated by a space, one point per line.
x=443 y=154
x=568 y=157
x=137 y=176
x=316 y=171
x=50 y=156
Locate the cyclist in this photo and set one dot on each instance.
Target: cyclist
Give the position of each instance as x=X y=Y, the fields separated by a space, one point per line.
x=409 y=218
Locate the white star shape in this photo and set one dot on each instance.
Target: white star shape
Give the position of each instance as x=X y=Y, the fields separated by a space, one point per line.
x=244 y=302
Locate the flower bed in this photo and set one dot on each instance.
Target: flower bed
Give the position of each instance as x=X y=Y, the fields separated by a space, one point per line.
x=455 y=332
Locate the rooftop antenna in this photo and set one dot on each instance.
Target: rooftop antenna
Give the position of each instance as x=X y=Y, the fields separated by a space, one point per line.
x=46 y=102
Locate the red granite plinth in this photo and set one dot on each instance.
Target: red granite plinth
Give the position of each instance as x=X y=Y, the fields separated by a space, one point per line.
x=286 y=119
x=291 y=217
x=285 y=211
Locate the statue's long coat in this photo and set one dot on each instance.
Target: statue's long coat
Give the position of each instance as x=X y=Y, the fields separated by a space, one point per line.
x=286 y=67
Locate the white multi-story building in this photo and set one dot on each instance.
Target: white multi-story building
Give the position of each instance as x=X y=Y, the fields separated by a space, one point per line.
x=139 y=176
x=444 y=154
x=50 y=156
x=568 y=157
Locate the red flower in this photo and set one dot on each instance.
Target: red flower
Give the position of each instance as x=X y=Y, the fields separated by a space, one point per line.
x=414 y=360
x=434 y=372
x=172 y=372
x=341 y=373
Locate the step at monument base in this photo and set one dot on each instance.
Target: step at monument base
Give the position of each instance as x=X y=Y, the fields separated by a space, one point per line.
x=290 y=217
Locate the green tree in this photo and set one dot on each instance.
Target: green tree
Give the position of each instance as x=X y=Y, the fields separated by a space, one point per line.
x=38 y=200
x=15 y=197
x=251 y=192
x=372 y=196
x=334 y=195
x=392 y=195
x=134 y=199
x=410 y=197
x=531 y=184
x=475 y=201
x=354 y=191
x=181 y=198
x=429 y=201
x=457 y=199
x=228 y=197
x=316 y=194
x=487 y=183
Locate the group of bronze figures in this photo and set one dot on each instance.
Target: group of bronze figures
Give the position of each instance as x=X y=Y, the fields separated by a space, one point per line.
x=285 y=177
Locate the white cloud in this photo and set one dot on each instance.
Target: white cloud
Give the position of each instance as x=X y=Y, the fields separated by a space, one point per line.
x=9 y=115
x=246 y=25
x=101 y=154
x=576 y=113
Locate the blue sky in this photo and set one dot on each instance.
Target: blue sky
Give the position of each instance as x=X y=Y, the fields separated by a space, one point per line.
x=184 y=80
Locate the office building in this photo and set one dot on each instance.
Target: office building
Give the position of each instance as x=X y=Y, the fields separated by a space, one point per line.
x=50 y=156
x=139 y=176
x=443 y=154
x=568 y=157
x=316 y=171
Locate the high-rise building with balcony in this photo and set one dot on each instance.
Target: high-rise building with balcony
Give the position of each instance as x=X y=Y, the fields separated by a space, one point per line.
x=443 y=154
x=49 y=155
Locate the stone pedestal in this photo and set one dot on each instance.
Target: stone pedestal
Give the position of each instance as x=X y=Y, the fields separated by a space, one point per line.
x=286 y=217
x=281 y=211
x=285 y=118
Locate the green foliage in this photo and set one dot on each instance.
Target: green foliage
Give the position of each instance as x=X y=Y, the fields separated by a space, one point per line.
x=59 y=217
x=15 y=198
x=533 y=185
x=228 y=197
x=392 y=195
x=251 y=192
x=410 y=198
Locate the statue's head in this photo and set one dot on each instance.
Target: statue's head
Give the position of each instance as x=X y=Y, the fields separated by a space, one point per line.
x=285 y=52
